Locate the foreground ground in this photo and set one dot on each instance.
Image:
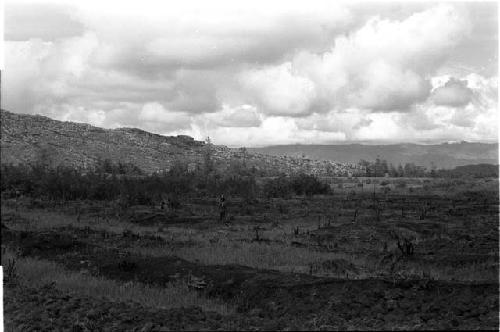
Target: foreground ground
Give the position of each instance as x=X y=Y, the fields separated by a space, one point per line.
x=329 y=262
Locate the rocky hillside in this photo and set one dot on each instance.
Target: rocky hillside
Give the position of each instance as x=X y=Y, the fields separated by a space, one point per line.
x=28 y=138
x=33 y=138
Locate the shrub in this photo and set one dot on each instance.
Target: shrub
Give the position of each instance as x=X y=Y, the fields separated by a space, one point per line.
x=279 y=187
x=400 y=184
x=304 y=184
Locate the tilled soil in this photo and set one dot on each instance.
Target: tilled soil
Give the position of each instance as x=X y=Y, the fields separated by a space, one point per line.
x=364 y=305
x=264 y=299
x=48 y=309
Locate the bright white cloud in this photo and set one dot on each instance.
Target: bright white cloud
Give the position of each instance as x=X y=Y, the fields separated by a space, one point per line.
x=155 y=112
x=262 y=73
x=384 y=65
x=273 y=130
x=279 y=90
x=240 y=116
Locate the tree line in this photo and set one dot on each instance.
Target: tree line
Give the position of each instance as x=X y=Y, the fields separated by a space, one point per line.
x=109 y=181
x=380 y=167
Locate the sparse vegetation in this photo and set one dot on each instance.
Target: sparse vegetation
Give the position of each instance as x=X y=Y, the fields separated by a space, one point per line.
x=285 y=232
x=37 y=273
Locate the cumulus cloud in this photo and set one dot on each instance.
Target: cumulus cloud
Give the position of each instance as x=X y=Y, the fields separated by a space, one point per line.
x=155 y=112
x=67 y=112
x=195 y=34
x=382 y=66
x=389 y=88
x=279 y=90
x=253 y=75
x=454 y=93
x=334 y=121
x=240 y=116
x=429 y=121
x=273 y=130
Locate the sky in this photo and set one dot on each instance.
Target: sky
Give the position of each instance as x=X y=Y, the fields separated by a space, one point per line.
x=257 y=73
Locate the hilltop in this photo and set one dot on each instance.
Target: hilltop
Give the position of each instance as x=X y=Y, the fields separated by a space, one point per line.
x=27 y=139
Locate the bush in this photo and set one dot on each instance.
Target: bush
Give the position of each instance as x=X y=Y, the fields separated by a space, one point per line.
x=304 y=184
x=300 y=184
x=400 y=184
x=279 y=187
x=66 y=183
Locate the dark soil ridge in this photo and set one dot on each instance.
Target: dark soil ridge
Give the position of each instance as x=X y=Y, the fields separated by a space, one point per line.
x=275 y=296
x=48 y=309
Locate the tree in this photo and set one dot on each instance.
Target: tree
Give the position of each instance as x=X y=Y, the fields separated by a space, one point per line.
x=244 y=152
x=393 y=171
x=433 y=169
x=409 y=170
x=367 y=166
x=384 y=167
x=401 y=171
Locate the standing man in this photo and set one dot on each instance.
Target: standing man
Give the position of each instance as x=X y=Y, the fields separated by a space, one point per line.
x=222 y=208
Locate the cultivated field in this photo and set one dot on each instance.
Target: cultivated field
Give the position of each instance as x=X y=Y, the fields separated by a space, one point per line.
x=378 y=253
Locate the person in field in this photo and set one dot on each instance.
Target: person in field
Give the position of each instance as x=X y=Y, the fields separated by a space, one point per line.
x=222 y=208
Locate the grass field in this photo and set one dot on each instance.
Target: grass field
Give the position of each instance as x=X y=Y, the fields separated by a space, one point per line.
x=441 y=232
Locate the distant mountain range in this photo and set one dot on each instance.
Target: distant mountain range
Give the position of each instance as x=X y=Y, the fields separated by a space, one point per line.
x=447 y=155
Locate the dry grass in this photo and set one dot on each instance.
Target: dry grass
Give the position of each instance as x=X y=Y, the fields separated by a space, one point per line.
x=35 y=272
x=39 y=219
x=472 y=272
x=258 y=255
x=221 y=245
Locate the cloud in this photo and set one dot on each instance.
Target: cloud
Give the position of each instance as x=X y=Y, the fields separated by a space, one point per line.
x=155 y=112
x=362 y=123
x=454 y=93
x=335 y=121
x=382 y=66
x=48 y=22
x=388 y=88
x=273 y=130
x=196 y=35
x=429 y=121
x=279 y=91
x=256 y=74
x=240 y=116
x=193 y=91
